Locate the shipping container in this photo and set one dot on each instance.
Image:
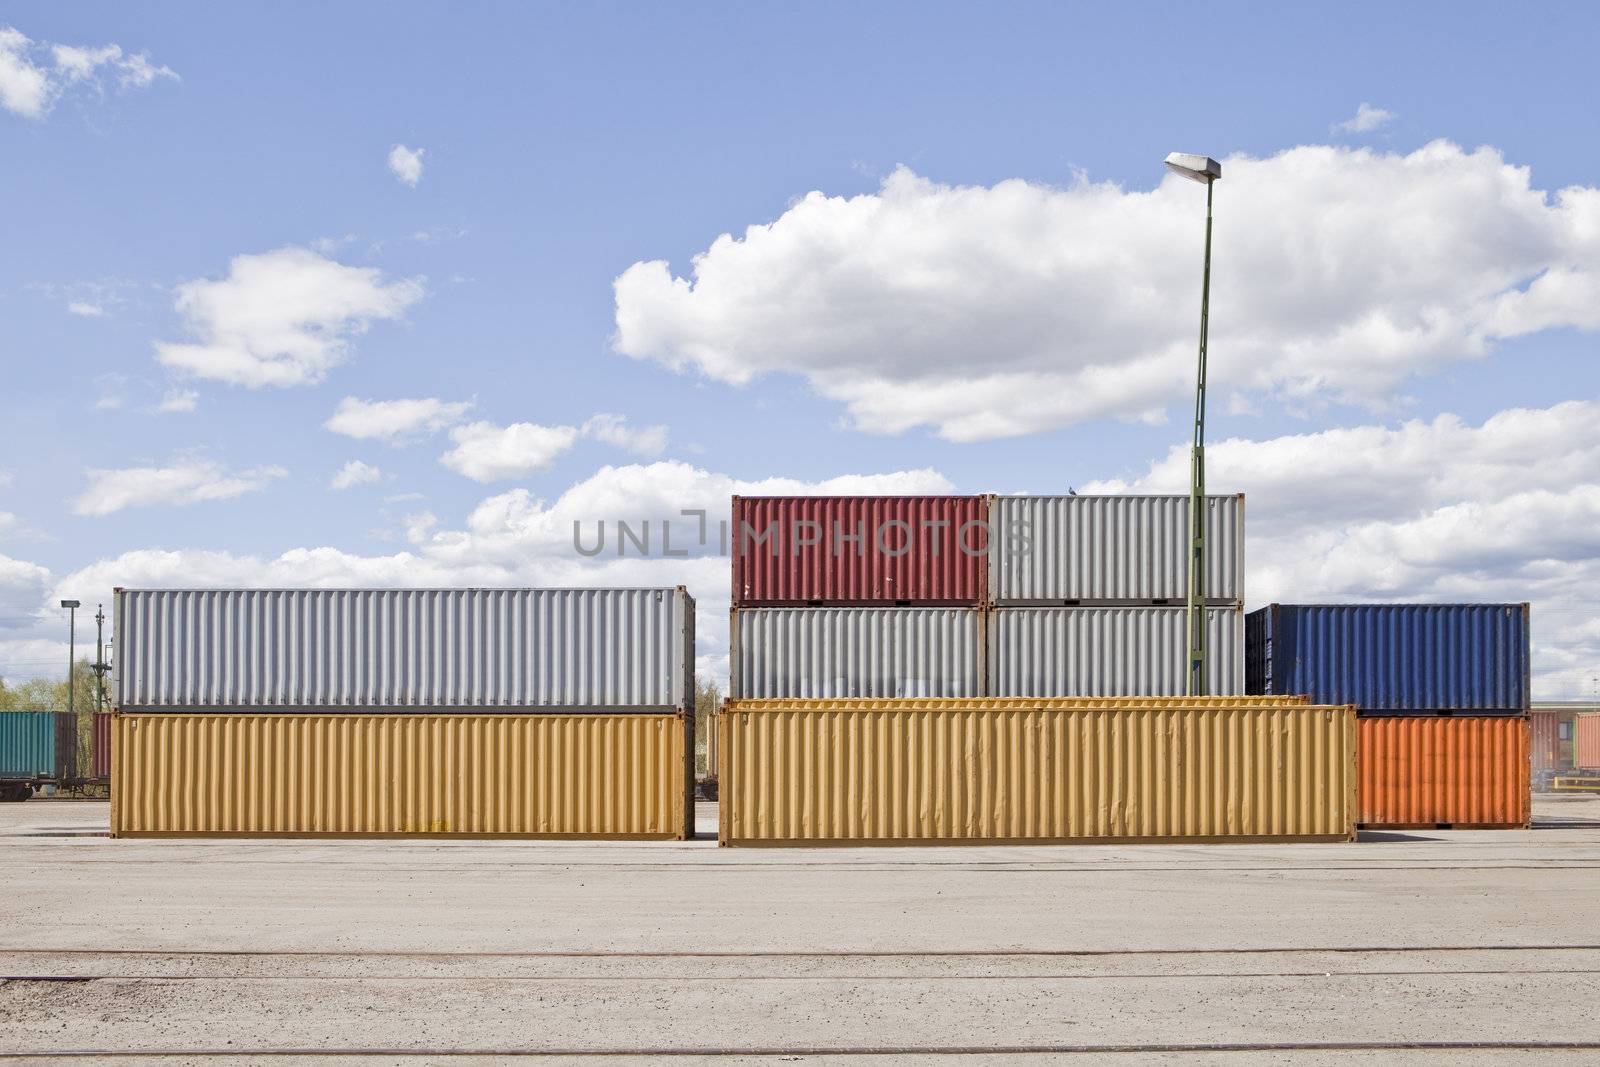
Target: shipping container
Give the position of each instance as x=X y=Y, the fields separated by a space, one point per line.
x=1440 y=771
x=37 y=746
x=1552 y=744
x=385 y=649
x=1393 y=657
x=607 y=774
x=1081 y=549
x=886 y=550
x=100 y=746
x=1586 y=742
x=1108 y=651
x=985 y=772
x=856 y=652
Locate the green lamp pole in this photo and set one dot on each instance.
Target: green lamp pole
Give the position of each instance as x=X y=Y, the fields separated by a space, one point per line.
x=1206 y=170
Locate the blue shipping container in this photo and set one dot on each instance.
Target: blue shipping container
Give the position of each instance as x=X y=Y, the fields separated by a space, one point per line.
x=33 y=744
x=1392 y=657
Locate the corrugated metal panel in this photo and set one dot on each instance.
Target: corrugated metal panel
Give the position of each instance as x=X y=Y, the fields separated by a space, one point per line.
x=1055 y=548
x=862 y=549
x=401 y=648
x=1047 y=771
x=1546 y=748
x=1022 y=703
x=1586 y=742
x=28 y=744
x=856 y=652
x=1394 y=657
x=1125 y=651
x=101 y=746
x=554 y=775
x=1443 y=770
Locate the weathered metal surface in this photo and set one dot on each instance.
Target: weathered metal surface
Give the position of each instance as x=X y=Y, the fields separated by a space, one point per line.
x=811 y=550
x=972 y=772
x=404 y=648
x=612 y=774
x=1443 y=770
x=1393 y=657
x=31 y=744
x=1586 y=742
x=1099 y=548
x=1108 y=651
x=856 y=652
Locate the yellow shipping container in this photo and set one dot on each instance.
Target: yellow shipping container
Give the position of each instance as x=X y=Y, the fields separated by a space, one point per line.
x=507 y=775
x=986 y=771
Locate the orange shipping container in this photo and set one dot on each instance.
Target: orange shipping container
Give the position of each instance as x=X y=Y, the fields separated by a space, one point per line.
x=1586 y=748
x=1442 y=771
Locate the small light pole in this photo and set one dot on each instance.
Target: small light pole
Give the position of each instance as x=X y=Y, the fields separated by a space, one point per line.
x=72 y=637
x=1206 y=170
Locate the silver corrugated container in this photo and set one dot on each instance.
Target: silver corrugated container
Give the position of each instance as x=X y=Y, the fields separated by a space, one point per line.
x=381 y=649
x=1097 y=548
x=856 y=652
x=1106 y=651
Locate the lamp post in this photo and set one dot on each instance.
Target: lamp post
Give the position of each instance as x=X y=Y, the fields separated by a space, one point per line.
x=1206 y=170
x=72 y=636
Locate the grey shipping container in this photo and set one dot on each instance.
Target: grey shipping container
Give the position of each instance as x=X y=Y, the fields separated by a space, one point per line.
x=1108 y=651
x=384 y=649
x=856 y=652
x=1050 y=549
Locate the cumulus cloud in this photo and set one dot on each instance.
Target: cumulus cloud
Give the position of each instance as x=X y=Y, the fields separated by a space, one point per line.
x=647 y=441
x=988 y=312
x=1427 y=510
x=354 y=473
x=395 y=421
x=406 y=164
x=186 y=481
x=33 y=76
x=1366 y=119
x=485 y=452
x=281 y=318
x=514 y=538
x=84 y=309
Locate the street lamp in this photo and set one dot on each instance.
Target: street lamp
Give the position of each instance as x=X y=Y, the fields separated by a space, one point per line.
x=72 y=636
x=1206 y=170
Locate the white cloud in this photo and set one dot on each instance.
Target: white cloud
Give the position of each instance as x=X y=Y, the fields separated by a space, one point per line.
x=1366 y=119
x=186 y=481
x=406 y=163
x=85 y=309
x=177 y=400
x=1427 y=510
x=994 y=311
x=485 y=452
x=395 y=421
x=33 y=76
x=355 y=473
x=281 y=318
x=647 y=441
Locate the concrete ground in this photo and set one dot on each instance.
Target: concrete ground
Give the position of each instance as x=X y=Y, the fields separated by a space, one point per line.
x=1427 y=947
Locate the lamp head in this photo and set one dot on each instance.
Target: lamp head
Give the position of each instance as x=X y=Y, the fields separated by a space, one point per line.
x=71 y=604
x=1201 y=169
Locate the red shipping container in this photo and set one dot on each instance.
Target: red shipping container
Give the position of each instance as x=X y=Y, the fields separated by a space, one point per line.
x=793 y=551
x=1586 y=742
x=1426 y=771
x=100 y=746
x=1547 y=744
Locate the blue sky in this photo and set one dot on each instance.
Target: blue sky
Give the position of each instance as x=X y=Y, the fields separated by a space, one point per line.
x=1364 y=286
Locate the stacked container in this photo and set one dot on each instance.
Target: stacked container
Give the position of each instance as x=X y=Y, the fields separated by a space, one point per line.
x=1442 y=692
x=507 y=712
x=982 y=669
x=1088 y=594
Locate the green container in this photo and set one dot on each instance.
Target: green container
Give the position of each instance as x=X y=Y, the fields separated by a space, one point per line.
x=36 y=745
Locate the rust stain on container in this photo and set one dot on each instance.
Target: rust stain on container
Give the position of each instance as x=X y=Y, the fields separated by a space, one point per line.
x=527 y=775
x=1443 y=771
x=805 y=550
x=962 y=771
